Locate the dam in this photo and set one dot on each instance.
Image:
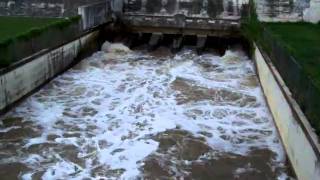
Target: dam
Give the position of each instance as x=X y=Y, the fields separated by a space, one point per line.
x=168 y=90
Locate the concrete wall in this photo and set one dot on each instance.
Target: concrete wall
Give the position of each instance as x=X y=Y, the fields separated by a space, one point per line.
x=19 y=80
x=94 y=14
x=299 y=140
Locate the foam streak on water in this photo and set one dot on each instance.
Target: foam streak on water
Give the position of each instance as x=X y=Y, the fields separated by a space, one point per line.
x=108 y=116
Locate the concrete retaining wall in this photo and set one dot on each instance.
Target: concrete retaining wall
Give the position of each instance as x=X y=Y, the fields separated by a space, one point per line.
x=18 y=80
x=298 y=138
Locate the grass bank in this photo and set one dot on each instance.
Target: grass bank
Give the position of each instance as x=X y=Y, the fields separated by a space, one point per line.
x=294 y=49
x=23 y=36
x=302 y=40
x=13 y=26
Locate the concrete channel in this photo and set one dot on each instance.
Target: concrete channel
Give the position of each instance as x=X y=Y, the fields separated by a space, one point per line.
x=164 y=100
x=144 y=113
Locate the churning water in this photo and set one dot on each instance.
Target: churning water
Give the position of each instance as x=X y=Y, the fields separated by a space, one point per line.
x=145 y=115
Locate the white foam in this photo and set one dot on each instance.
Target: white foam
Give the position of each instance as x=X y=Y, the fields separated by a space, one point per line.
x=64 y=170
x=108 y=47
x=114 y=109
x=8 y=129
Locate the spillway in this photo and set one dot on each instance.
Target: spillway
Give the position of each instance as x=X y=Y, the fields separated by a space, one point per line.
x=144 y=115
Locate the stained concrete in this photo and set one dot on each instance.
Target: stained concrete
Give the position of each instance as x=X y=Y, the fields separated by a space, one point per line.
x=19 y=81
x=299 y=140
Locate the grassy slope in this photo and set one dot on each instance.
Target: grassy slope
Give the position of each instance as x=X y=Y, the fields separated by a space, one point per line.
x=13 y=26
x=303 y=42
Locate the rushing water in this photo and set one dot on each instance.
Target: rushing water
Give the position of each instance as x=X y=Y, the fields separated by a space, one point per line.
x=145 y=115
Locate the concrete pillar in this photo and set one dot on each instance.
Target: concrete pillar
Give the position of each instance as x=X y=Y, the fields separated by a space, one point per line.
x=154 y=41
x=177 y=44
x=177 y=7
x=201 y=43
x=82 y=13
x=117 y=8
x=225 y=8
x=163 y=9
x=143 y=6
x=204 y=9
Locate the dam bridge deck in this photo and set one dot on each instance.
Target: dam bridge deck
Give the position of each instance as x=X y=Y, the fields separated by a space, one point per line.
x=181 y=24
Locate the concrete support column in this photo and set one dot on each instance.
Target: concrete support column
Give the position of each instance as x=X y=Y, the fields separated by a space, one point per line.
x=163 y=9
x=117 y=9
x=84 y=21
x=204 y=9
x=225 y=8
x=143 y=6
x=154 y=41
x=201 y=43
x=177 y=7
x=177 y=44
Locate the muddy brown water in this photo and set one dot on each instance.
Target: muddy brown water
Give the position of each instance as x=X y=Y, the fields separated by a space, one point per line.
x=145 y=116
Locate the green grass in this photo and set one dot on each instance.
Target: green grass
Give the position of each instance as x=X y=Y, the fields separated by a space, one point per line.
x=15 y=30
x=14 y=26
x=302 y=40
